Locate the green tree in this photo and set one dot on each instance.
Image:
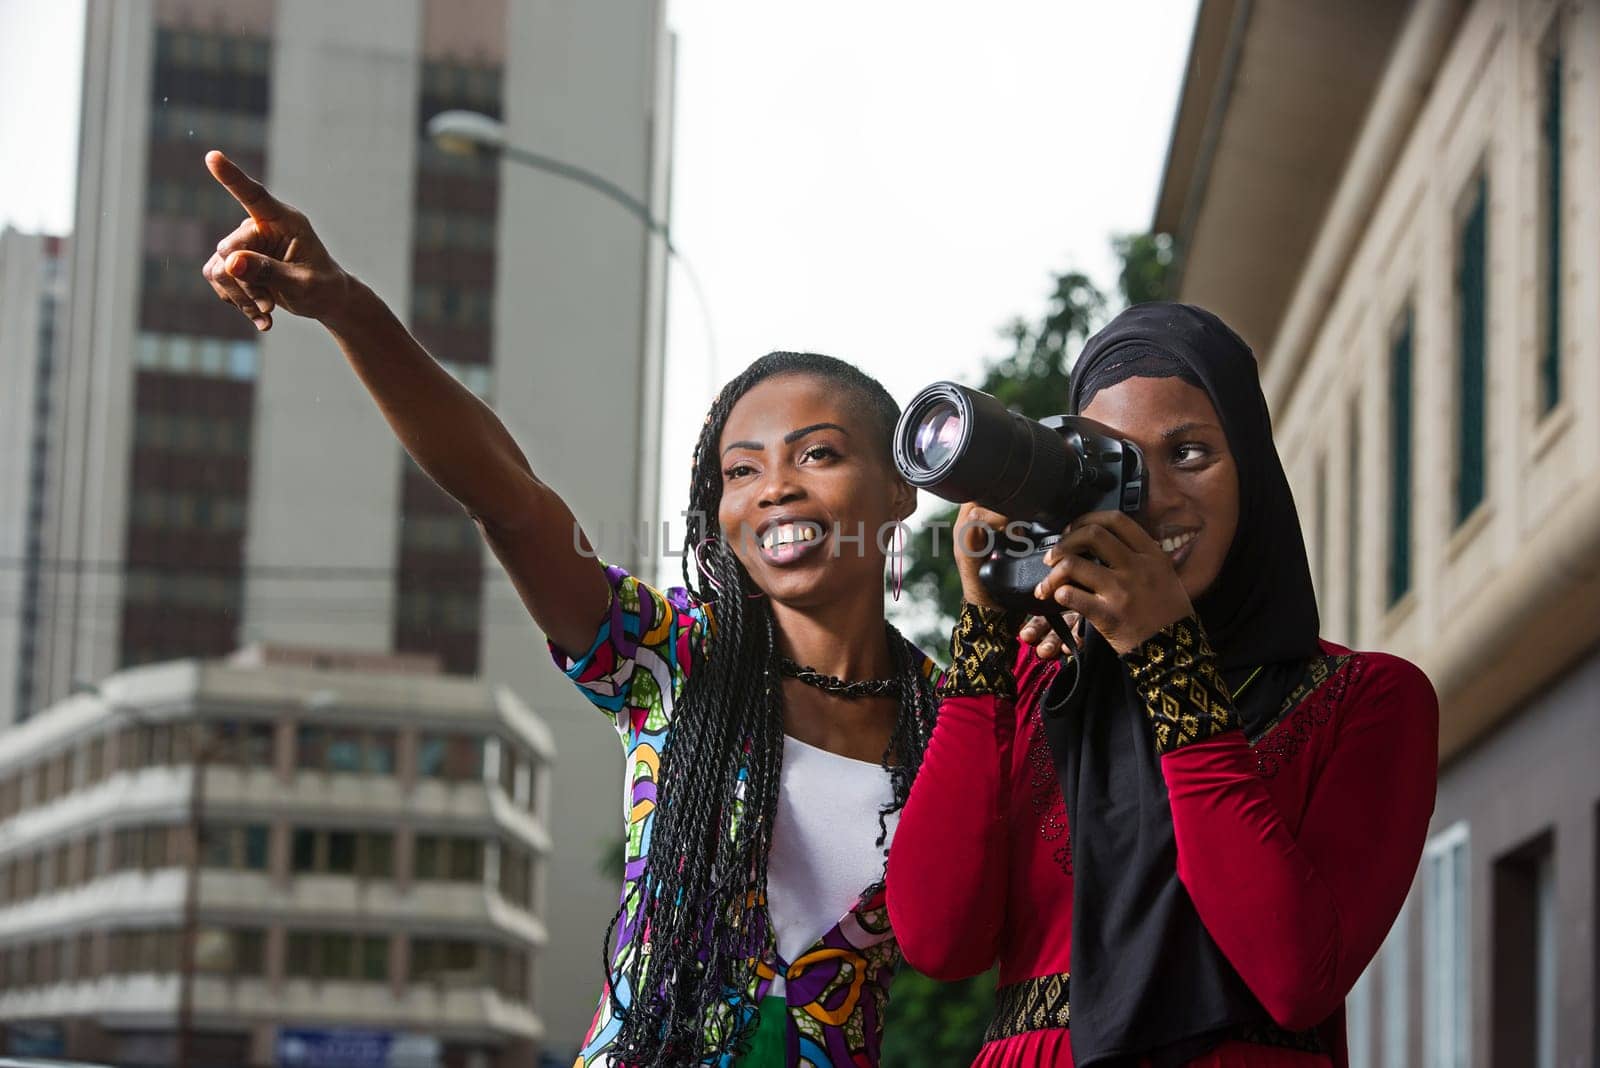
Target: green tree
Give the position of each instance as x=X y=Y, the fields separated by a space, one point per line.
x=936 y=1025
x=1032 y=379
x=1146 y=272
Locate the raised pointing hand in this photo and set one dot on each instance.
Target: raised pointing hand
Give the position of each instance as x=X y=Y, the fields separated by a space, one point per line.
x=273 y=258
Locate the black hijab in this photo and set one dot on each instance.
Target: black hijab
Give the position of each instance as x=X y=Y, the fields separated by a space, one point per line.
x=1147 y=979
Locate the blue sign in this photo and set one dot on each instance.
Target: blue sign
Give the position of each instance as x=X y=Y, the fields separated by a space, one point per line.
x=354 y=1048
x=36 y=1040
x=333 y=1049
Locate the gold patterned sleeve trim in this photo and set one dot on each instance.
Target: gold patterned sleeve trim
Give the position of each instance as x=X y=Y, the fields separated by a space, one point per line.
x=1175 y=673
x=983 y=649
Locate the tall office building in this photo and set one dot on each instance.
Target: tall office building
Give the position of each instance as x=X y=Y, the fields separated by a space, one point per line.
x=209 y=487
x=1402 y=221
x=32 y=295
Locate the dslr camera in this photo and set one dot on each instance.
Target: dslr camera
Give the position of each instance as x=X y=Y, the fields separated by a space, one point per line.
x=964 y=445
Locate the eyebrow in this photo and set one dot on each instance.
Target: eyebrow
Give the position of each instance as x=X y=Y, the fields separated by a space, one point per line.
x=790 y=438
x=1185 y=428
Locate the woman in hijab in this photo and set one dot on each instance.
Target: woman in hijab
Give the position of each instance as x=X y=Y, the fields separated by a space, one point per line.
x=1208 y=818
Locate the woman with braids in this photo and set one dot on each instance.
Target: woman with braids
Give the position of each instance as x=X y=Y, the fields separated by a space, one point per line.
x=1185 y=843
x=762 y=793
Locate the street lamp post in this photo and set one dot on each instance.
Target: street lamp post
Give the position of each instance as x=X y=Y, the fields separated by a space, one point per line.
x=469 y=133
x=200 y=756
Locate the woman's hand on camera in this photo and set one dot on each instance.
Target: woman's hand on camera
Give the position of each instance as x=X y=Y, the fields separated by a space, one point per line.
x=273 y=259
x=1046 y=643
x=977 y=532
x=1114 y=574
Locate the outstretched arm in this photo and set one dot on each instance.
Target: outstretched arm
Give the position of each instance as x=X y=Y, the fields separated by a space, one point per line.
x=274 y=260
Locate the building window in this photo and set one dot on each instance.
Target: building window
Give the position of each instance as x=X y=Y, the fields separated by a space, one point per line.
x=1523 y=971
x=247 y=744
x=1446 y=951
x=238 y=848
x=363 y=854
x=1358 y=1021
x=1400 y=383
x=440 y=857
x=303 y=851
x=311 y=745
x=375 y=959
x=342 y=852
x=516 y=875
x=349 y=750
x=238 y=952
x=344 y=750
x=456 y=757
x=61 y=859
x=337 y=955
x=143 y=848
x=95 y=760
x=183 y=354
x=1550 y=210
x=446 y=960
x=509 y=967
x=1394 y=967
x=1472 y=343
x=84 y=966
x=142 y=952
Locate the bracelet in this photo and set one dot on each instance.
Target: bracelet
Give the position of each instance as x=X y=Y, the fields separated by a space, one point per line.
x=1175 y=674
x=983 y=648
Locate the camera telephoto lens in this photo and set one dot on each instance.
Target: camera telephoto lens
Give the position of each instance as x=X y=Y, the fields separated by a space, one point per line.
x=937 y=435
x=964 y=445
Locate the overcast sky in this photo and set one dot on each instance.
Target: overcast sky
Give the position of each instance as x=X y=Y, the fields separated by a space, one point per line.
x=888 y=182
x=892 y=182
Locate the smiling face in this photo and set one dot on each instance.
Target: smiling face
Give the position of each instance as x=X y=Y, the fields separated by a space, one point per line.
x=1191 y=504
x=802 y=463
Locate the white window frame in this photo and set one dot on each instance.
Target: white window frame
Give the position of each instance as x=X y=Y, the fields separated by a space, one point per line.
x=1358 y=1019
x=1394 y=966
x=1447 y=949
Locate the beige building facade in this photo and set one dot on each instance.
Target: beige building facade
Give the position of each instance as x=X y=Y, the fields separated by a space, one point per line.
x=1409 y=247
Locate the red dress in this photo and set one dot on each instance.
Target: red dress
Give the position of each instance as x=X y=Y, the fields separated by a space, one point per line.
x=1297 y=850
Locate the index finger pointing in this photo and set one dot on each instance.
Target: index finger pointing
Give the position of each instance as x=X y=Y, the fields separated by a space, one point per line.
x=251 y=194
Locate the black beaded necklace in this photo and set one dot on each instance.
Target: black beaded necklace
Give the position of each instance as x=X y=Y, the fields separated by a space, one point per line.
x=837 y=686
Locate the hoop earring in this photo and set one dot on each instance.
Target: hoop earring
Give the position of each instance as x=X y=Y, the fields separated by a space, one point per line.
x=699 y=565
x=898 y=566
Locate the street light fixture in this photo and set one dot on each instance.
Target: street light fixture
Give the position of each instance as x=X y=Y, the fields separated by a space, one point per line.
x=465 y=133
x=470 y=133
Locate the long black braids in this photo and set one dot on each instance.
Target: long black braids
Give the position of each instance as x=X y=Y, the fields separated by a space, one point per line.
x=703 y=914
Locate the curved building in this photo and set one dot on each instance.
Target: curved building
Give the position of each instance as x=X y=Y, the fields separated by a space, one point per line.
x=287 y=857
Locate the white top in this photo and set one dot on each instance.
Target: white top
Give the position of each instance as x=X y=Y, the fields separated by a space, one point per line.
x=824 y=843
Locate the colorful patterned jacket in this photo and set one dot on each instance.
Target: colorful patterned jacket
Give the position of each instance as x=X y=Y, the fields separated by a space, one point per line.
x=635 y=670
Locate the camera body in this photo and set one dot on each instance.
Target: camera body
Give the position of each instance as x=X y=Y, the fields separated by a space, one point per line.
x=964 y=445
